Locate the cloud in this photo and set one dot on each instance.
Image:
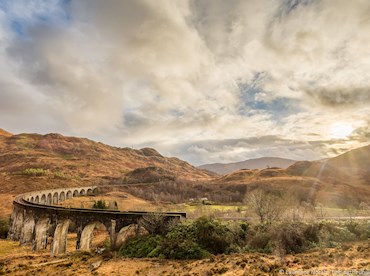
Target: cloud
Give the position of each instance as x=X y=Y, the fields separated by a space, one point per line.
x=341 y=96
x=189 y=77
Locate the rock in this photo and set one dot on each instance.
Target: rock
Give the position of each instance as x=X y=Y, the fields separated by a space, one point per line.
x=96 y=265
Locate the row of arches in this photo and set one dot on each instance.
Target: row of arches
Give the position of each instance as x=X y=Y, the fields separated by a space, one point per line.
x=93 y=235
x=49 y=198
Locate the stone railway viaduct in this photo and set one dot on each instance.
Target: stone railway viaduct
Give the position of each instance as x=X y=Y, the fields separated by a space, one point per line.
x=36 y=218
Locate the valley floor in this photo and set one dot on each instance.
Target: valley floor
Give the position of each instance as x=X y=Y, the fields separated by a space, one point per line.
x=349 y=259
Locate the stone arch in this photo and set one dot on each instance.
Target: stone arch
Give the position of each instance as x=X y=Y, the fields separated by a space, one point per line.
x=32 y=199
x=43 y=199
x=95 y=191
x=55 y=198
x=88 y=234
x=128 y=232
x=89 y=191
x=41 y=234
x=59 y=244
x=62 y=196
x=69 y=195
x=49 y=199
x=82 y=192
x=27 y=228
x=37 y=199
x=75 y=193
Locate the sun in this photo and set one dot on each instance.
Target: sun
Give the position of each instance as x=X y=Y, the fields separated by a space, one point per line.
x=340 y=130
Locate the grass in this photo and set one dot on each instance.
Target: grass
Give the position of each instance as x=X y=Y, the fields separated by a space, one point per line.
x=9 y=247
x=222 y=208
x=338 y=212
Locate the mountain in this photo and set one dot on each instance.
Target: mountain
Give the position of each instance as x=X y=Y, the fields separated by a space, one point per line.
x=34 y=161
x=258 y=163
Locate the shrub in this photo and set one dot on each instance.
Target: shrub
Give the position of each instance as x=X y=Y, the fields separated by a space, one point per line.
x=140 y=247
x=259 y=239
x=209 y=233
x=4 y=228
x=360 y=229
x=289 y=237
x=333 y=233
x=182 y=249
x=187 y=240
x=283 y=237
x=200 y=238
x=100 y=204
x=60 y=175
x=212 y=235
x=34 y=172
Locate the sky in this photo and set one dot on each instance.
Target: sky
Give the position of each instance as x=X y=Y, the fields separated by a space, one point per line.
x=204 y=80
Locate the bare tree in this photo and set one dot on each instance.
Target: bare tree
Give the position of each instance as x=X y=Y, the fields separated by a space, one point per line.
x=154 y=223
x=266 y=205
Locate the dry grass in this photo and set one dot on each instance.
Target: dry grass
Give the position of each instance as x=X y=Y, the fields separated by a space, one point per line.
x=351 y=256
x=76 y=161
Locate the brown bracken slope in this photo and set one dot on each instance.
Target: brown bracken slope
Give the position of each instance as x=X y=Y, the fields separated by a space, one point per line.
x=5 y=133
x=33 y=161
x=340 y=181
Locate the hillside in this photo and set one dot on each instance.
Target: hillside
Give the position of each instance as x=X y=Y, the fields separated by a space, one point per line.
x=258 y=163
x=33 y=161
x=5 y=133
x=340 y=181
x=351 y=167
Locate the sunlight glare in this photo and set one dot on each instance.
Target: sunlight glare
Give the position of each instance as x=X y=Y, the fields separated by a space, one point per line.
x=340 y=130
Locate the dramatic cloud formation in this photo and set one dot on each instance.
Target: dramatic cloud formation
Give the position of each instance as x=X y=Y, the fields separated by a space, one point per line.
x=205 y=80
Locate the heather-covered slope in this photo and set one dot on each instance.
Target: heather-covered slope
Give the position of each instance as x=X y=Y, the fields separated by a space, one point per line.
x=33 y=161
x=340 y=181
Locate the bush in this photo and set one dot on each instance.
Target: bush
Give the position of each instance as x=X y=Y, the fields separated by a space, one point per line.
x=187 y=240
x=100 y=204
x=34 y=172
x=4 y=228
x=289 y=237
x=60 y=175
x=209 y=233
x=141 y=247
x=182 y=249
x=204 y=236
x=333 y=233
x=259 y=239
x=212 y=235
x=360 y=230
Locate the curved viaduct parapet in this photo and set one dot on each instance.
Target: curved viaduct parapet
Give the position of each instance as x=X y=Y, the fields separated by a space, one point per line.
x=35 y=218
x=58 y=195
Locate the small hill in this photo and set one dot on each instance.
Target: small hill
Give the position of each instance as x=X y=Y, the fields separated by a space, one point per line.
x=237 y=176
x=5 y=133
x=258 y=163
x=354 y=162
x=351 y=167
x=149 y=175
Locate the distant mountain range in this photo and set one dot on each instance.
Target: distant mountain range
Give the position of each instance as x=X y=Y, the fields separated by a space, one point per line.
x=258 y=163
